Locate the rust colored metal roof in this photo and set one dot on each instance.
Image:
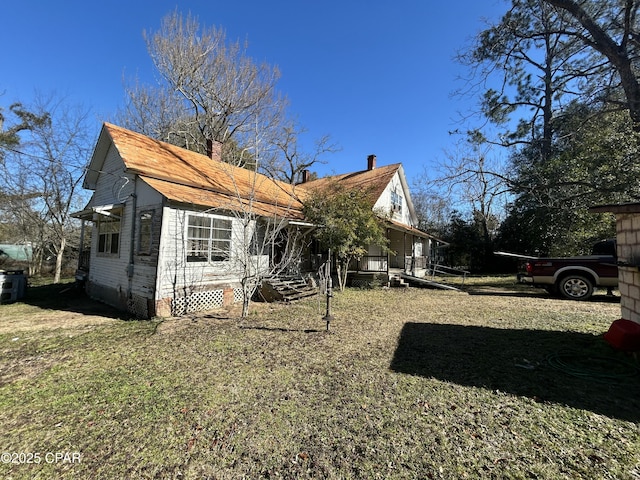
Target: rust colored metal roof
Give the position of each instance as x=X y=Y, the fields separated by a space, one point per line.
x=189 y=177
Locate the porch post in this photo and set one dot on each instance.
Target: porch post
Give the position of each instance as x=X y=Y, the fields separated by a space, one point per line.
x=413 y=255
x=80 y=254
x=388 y=254
x=404 y=251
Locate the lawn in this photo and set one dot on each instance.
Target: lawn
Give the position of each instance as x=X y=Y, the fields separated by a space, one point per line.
x=408 y=383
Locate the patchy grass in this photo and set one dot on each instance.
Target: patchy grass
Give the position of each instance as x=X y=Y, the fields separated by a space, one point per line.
x=407 y=384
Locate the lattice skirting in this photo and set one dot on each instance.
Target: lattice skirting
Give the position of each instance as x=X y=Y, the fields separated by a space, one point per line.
x=237 y=295
x=368 y=281
x=361 y=283
x=202 y=301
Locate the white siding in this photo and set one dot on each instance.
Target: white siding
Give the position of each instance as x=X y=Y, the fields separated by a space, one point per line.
x=112 y=186
x=384 y=202
x=124 y=280
x=143 y=280
x=178 y=278
x=109 y=272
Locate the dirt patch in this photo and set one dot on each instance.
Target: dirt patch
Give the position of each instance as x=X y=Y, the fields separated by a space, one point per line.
x=51 y=307
x=230 y=313
x=26 y=367
x=50 y=320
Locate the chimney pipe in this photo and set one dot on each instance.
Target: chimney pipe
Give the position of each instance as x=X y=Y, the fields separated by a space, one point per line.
x=371 y=162
x=305 y=175
x=214 y=150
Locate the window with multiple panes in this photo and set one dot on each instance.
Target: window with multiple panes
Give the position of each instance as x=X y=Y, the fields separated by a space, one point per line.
x=109 y=234
x=396 y=201
x=145 y=232
x=208 y=239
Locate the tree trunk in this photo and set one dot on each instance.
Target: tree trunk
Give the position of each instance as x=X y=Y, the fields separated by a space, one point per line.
x=59 y=257
x=35 y=267
x=342 y=267
x=247 y=292
x=245 y=305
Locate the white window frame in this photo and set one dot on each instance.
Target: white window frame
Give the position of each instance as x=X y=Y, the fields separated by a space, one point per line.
x=109 y=232
x=208 y=238
x=396 y=201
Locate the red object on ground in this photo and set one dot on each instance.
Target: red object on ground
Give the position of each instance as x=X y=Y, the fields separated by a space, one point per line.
x=624 y=335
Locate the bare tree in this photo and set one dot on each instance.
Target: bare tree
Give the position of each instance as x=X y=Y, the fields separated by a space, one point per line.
x=157 y=112
x=474 y=180
x=289 y=160
x=42 y=179
x=210 y=89
x=267 y=243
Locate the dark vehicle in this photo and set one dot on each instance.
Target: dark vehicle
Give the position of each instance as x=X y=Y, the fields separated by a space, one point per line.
x=574 y=277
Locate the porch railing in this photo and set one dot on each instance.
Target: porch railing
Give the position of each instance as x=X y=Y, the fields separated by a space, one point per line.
x=436 y=269
x=415 y=263
x=372 y=263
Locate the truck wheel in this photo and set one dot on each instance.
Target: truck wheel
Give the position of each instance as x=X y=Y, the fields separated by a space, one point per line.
x=575 y=287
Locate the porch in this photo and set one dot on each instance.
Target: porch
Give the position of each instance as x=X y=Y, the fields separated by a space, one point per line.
x=411 y=252
x=384 y=263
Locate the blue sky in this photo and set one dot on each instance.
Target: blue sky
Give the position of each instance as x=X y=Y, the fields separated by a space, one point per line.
x=375 y=75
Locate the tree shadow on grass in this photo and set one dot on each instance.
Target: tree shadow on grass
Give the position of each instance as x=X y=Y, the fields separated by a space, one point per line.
x=68 y=297
x=548 y=366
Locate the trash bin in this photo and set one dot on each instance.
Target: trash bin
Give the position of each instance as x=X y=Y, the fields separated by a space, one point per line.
x=13 y=284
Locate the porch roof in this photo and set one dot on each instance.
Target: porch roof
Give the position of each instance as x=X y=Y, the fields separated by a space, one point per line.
x=413 y=231
x=90 y=210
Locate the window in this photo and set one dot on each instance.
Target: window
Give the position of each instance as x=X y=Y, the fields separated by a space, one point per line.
x=208 y=239
x=109 y=234
x=145 y=232
x=396 y=201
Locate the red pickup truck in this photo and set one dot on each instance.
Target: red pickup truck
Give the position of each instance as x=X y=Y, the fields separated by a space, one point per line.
x=574 y=277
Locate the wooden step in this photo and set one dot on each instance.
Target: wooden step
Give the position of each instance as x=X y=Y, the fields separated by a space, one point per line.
x=285 y=288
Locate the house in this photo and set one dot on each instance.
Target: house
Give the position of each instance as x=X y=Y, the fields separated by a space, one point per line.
x=165 y=223
x=412 y=250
